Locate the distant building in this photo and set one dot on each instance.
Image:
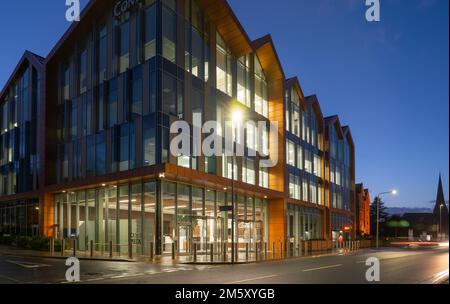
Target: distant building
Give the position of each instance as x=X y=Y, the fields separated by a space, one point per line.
x=431 y=223
x=362 y=211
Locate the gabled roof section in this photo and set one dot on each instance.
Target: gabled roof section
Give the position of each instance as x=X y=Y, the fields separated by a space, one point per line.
x=348 y=134
x=35 y=60
x=268 y=56
x=295 y=83
x=334 y=121
x=313 y=101
x=228 y=26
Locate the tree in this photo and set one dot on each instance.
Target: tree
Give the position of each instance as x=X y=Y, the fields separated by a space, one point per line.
x=373 y=217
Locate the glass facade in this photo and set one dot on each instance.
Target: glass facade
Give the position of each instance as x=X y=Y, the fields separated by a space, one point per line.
x=304 y=151
x=19 y=114
x=127 y=216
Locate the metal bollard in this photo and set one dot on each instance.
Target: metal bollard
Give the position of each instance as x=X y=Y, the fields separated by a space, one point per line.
x=52 y=246
x=74 y=248
x=173 y=251
x=225 y=253
x=151 y=251
x=281 y=249
x=256 y=251
x=110 y=249
x=195 y=253
x=306 y=248
x=265 y=250
x=300 y=248
x=211 y=252
x=273 y=250
x=246 y=251
x=91 y=247
x=63 y=245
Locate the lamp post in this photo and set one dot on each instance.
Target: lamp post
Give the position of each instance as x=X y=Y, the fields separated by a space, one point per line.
x=440 y=218
x=378 y=200
x=236 y=120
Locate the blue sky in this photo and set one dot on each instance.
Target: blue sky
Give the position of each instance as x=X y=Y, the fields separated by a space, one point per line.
x=388 y=80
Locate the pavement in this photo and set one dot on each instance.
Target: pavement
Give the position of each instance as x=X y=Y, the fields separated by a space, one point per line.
x=399 y=266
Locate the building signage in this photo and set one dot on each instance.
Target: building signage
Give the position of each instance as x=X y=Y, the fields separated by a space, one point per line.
x=225 y=208
x=124 y=6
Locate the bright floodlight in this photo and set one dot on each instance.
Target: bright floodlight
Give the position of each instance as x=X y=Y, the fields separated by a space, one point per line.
x=237 y=116
x=394 y=192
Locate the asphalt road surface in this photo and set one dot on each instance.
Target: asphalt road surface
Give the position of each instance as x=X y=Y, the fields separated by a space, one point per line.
x=396 y=266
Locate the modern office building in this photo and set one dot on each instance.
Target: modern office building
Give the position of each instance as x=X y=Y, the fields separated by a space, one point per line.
x=89 y=157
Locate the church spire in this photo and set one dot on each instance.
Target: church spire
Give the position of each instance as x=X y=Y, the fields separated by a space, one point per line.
x=440 y=201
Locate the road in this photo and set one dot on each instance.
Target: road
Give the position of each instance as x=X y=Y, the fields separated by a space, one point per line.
x=396 y=266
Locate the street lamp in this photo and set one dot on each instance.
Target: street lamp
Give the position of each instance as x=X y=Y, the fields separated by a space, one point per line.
x=236 y=118
x=440 y=218
x=378 y=201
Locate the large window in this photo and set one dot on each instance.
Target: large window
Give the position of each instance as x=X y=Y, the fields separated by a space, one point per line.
x=261 y=94
x=149 y=141
x=127 y=147
x=100 y=151
x=243 y=81
x=248 y=171
x=224 y=76
x=124 y=47
x=112 y=103
x=172 y=102
x=136 y=93
x=169 y=35
x=290 y=153
x=102 y=55
x=150 y=33
x=83 y=71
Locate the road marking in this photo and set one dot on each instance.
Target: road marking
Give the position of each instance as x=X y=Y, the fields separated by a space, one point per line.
x=95 y=279
x=440 y=276
x=253 y=279
x=28 y=265
x=324 y=267
x=10 y=279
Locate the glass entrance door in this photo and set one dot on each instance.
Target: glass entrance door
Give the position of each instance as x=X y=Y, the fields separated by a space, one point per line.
x=184 y=238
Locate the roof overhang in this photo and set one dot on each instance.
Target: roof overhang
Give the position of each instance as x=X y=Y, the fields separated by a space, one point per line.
x=35 y=60
x=228 y=26
x=334 y=121
x=295 y=84
x=313 y=101
x=264 y=48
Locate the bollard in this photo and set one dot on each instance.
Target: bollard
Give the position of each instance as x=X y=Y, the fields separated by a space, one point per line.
x=273 y=250
x=195 y=253
x=246 y=252
x=110 y=249
x=225 y=253
x=300 y=248
x=74 y=248
x=173 y=251
x=63 y=245
x=52 y=246
x=91 y=247
x=265 y=250
x=281 y=249
x=151 y=251
x=211 y=252
x=306 y=248
x=256 y=251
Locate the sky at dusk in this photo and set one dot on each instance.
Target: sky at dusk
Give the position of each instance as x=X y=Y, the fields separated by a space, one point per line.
x=388 y=80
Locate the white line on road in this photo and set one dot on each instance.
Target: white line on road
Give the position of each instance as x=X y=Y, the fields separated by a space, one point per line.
x=253 y=279
x=28 y=265
x=324 y=267
x=439 y=277
x=10 y=279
